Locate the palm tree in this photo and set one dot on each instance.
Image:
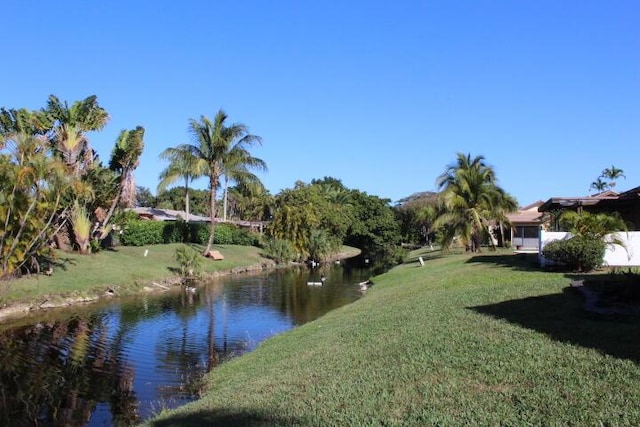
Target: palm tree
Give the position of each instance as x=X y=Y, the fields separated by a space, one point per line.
x=70 y=125
x=182 y=164
x=612 y=174
x=236 y=168
x=592 y=225
x=222 y=151
x=125 y=158
x=470 y=199
x=599 y=185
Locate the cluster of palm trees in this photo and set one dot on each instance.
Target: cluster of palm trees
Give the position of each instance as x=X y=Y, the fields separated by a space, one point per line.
x=219 y=152
x=53 y=187
x=607 y=179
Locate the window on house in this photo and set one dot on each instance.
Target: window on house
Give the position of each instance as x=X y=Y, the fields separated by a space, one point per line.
x=527 y=232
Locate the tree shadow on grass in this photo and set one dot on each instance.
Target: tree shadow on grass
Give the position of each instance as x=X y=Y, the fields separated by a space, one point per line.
x=562 y=317
x=212 y=418
x=519 y=262
x=62 y=262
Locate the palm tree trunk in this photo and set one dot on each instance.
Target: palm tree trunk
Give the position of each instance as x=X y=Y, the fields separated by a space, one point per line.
x=212 y=218
x=224 y=203
x=112 y=209
x=186 y=198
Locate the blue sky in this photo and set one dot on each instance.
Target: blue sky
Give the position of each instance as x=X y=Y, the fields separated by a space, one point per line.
x=379 y=94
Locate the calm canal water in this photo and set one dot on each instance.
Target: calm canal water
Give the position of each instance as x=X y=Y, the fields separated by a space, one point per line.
x=117 y=363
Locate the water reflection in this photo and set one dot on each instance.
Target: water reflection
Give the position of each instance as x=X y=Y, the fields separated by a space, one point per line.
x=120 y=362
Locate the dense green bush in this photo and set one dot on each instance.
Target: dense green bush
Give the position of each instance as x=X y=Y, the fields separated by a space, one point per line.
x=142 y=232
x=139 y=233
x=578 y=253
x=279 y=250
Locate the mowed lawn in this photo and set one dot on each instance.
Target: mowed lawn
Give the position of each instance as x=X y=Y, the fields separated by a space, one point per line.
x=125 y=269
x=464 y=340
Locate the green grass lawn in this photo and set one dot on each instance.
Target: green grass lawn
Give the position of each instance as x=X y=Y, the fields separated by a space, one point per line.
x=125 y=269
x=464 y=340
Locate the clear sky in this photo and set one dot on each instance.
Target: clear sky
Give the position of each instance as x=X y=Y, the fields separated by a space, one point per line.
x=379 y=94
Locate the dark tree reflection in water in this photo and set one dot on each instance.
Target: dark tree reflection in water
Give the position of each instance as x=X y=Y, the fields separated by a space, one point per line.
x=119 y=362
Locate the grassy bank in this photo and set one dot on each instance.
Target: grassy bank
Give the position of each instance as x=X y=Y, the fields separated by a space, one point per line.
x=124 y=269
x=464 y=340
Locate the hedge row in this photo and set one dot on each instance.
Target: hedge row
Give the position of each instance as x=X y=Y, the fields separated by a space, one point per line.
x=140 y=232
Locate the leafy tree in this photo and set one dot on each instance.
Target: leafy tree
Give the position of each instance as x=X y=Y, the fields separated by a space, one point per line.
x=416 y=215
x=305 y=208
x=144 y=197
x=296 y=214
x=174 y=198
x=374 y=228
x=469 y=201
x=221 y=150
x=250 y=202
x=317 y=218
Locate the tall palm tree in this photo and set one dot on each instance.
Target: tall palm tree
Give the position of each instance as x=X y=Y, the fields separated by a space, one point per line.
x=125 y=158
x=470 y=199
x=599 y=185
x=70 y=125
x=183 y=164
x=612 y=174
x=222 y=151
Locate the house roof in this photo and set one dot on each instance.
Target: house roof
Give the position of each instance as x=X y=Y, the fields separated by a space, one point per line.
x=167 y=215
x=532 y=206
x=605 y=198
x=634 y=193
x=528 y=215
x=158 y=214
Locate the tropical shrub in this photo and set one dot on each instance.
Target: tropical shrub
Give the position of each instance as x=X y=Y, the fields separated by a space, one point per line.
x=189 y=261
x=578 y=253
x=280 y=250
x=320 y=244
x=81 y=228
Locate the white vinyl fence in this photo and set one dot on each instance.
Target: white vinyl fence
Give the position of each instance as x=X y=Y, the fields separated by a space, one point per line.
x=614 y=255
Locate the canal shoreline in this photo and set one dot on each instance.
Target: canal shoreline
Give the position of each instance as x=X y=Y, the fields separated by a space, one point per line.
x=15 y=310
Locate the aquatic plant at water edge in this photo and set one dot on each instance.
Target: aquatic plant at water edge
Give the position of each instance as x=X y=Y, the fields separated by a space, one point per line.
x=279 y=250
x=189 y=261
